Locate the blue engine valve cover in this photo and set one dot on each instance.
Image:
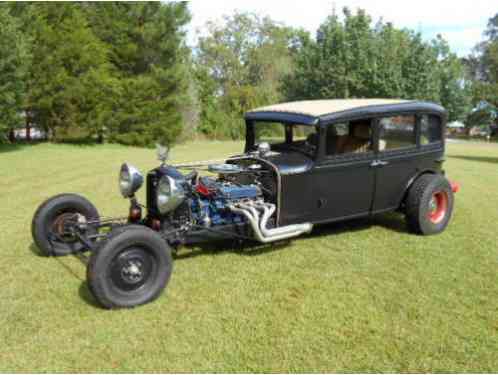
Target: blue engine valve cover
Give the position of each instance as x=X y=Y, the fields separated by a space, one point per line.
x=234 y=192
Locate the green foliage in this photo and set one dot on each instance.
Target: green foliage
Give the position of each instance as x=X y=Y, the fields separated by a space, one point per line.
x=238 y=66
x=350 y=58
x=70 y=73
x=81 y=69
x=483 y=66
x=118 y=67
x=455 y=90
x=146 y=49
x=14 y=62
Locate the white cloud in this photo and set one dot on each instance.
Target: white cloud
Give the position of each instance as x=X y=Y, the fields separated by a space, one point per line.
x=461 y=23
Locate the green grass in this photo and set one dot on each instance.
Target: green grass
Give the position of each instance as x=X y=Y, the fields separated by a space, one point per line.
x=362 y=296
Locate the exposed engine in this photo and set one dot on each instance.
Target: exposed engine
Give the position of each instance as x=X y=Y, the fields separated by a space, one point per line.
x=214 y=196
x=242 y=193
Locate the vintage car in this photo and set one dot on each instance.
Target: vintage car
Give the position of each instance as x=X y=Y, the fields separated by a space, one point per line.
x=305 y=163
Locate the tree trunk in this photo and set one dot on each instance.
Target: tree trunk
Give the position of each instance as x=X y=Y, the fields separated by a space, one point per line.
x=28 y=132
x=28 y=129
x=12 y=136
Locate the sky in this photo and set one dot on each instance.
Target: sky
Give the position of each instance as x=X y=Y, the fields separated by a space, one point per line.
x=460 y=22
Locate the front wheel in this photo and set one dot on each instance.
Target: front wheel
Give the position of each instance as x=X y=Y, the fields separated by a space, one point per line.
x=54 y=217
x=131 y=267
x=429 y=204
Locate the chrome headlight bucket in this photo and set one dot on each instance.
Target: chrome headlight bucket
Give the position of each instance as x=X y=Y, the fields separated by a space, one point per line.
x=170 y=194
x=130 y=180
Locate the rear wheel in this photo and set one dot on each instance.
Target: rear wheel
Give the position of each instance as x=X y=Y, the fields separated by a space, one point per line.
x=131 y=267
x=429 y=204
x=52 y=219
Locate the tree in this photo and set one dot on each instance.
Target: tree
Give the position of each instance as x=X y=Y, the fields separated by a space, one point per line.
x=70 y=76
x=239 y=65
x=150 y=63
x=455 y=88
x=350 y=58
x=482 y=65
x=14 y=62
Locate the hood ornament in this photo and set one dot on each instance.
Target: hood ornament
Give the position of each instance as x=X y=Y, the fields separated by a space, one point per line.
x=162 y=152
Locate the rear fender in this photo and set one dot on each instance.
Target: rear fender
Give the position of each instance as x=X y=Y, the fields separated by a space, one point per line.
x=410 y=183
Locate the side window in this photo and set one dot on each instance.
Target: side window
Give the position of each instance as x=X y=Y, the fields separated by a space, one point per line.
x=349 y=137
x=397 y=132
x=430 y=129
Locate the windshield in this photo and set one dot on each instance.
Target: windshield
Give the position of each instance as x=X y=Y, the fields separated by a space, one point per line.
x=296 y=137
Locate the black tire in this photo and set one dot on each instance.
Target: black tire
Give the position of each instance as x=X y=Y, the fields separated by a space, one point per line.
x=53 y=211
x=429 y=204
x=129 y=268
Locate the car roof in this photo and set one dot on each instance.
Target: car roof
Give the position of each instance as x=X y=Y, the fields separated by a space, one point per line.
x=311 y=112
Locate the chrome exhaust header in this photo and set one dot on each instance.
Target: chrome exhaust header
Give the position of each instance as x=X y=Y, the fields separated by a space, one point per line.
x=258 y=214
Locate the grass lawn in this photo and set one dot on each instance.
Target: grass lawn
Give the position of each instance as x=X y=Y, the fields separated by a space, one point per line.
x=362 y=296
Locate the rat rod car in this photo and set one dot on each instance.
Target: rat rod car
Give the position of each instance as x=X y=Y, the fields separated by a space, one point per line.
x=305 y=163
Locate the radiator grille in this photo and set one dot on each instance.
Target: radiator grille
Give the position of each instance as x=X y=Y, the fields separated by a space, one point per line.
x=152 y=180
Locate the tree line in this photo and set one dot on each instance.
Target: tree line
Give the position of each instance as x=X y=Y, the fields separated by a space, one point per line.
x=123 y=70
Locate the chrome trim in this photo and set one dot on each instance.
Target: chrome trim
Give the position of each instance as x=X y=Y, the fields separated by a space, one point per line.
x=174 y=199
x=136 y=180
x=259 y=223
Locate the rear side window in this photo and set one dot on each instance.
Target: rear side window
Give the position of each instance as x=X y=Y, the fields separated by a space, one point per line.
x=397 y=132
x=430 y=129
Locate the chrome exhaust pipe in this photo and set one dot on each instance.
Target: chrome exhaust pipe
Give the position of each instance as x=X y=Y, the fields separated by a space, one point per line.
x=268 y=210
x=258 y=223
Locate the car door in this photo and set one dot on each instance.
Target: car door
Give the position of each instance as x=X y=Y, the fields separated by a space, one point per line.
x=396 y=161
x=343 y=181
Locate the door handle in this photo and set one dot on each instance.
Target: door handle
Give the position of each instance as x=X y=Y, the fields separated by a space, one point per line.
x=378 y=163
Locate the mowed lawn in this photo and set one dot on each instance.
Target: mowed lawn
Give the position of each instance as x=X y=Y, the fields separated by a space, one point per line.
x=356 y=297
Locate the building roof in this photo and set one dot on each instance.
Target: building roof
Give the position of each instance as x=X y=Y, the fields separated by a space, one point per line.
x=310 y=112
x=456 y=124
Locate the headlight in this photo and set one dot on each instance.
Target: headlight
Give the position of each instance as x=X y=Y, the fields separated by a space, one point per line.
x=170 y=194
x=130 y=180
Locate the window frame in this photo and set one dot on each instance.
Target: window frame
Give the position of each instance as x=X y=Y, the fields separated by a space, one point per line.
x=288 y=136
x=350 y=156
x=322 y=156
x=419 y=130
x=416 y=134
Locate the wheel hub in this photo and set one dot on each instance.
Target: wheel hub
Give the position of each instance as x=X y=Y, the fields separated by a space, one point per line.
x=438 y=206
x=131 y=268
x=432 y=204
x=60 y=227
x=132 y=271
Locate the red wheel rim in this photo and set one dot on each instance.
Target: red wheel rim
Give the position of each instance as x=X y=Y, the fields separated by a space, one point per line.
x=438 y=206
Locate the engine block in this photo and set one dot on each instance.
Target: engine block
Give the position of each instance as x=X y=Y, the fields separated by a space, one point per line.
x=214 y=198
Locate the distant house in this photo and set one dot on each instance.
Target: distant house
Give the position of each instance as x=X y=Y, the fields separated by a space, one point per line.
x=27 y=130
x=34 y=134
x=456 y=127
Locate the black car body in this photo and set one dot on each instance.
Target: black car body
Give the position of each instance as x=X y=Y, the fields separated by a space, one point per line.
x=304 y=163
x=352 y=184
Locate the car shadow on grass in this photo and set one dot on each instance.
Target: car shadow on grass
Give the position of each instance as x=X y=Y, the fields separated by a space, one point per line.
x=86 y=295
x=390 y=221
x=480 y=159
x=35 y=250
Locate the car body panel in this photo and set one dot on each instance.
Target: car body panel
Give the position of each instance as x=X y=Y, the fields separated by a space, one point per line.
x=325 y=189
